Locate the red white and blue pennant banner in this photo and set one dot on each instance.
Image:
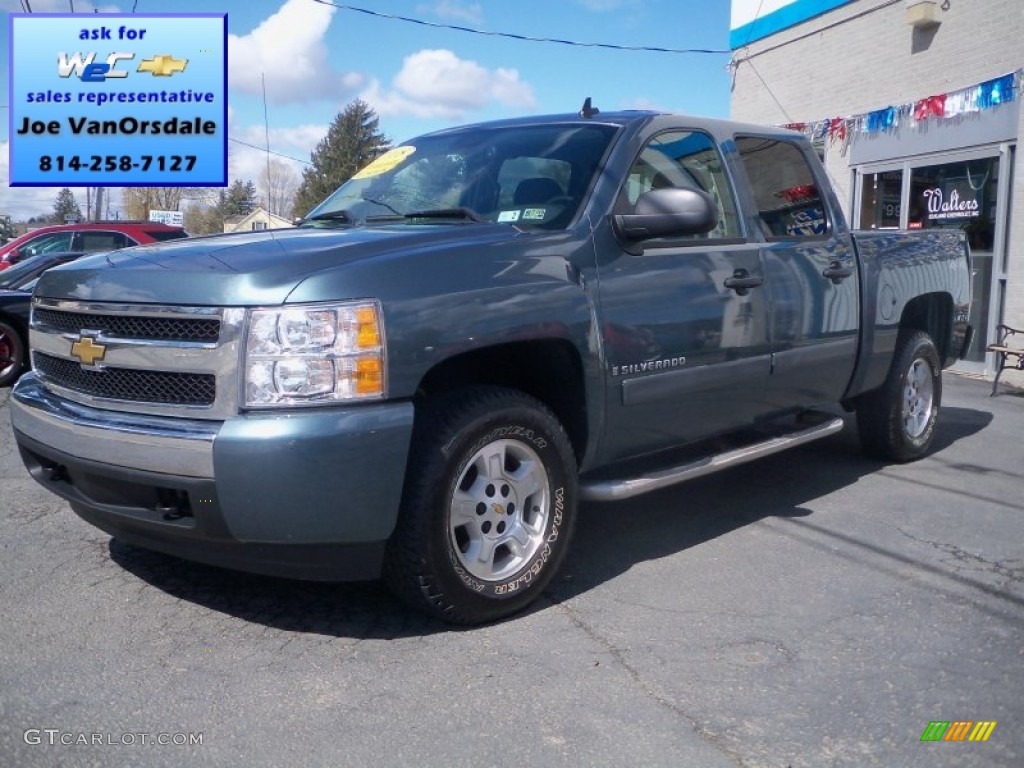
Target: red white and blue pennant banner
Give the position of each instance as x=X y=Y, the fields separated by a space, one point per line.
x=976 y=98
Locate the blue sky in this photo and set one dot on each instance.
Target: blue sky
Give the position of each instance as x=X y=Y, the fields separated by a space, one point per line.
x=315 y=59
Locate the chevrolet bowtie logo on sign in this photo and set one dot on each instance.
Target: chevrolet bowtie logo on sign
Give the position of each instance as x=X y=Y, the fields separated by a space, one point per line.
x=163 y=65
x=88 y=351
x=958 y=730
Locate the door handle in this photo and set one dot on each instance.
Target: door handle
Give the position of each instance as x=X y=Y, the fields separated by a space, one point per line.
x=836 y=272
x=742 y=281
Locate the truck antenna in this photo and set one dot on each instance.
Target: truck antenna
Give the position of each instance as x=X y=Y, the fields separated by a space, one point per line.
x=588 y=111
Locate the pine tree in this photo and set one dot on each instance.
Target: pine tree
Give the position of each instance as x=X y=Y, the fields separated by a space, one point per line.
x=239 y=200
x=352 y=141
x=65 y=207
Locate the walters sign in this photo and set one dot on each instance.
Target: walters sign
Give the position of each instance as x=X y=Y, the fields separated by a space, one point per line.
x=952 y=203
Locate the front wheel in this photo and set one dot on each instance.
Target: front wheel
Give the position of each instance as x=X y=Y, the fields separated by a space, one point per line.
x=488 y=507
x=897 y=421
x=12 y=354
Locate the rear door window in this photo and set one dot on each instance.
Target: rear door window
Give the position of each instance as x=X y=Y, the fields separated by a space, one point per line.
x=166 y=234
x=789 y=203
x=91 y=242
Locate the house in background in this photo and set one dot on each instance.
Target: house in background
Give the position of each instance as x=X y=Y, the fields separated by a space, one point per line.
x=260 y=218
x=915 y=106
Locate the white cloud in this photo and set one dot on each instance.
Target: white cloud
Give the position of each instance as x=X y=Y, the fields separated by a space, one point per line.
x=437 y=83
x=603 y=6
x=454 y=10
x=640 y=102
x=287 y=49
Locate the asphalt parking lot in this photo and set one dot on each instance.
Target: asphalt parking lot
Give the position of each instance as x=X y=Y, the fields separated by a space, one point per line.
x=812 y=609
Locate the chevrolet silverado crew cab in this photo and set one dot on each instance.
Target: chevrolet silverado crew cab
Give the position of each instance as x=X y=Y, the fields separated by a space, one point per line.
x=478 y=330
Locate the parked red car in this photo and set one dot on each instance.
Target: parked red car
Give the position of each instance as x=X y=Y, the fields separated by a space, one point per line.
x=87 y=236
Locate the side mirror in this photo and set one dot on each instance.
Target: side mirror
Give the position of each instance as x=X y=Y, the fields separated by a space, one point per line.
x=667 y=213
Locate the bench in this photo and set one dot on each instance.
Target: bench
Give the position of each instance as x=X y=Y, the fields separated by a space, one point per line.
x=1005 y=352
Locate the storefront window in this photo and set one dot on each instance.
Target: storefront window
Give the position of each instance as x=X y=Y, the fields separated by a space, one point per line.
x=880 y=200
x=962 y=196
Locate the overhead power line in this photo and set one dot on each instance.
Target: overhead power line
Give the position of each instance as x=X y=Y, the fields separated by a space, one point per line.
x=269 y=151
x=513 y=36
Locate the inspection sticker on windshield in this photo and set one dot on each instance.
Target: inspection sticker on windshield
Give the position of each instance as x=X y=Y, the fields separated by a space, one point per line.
x=390 y=159
x=534 y=214
x=508 y=216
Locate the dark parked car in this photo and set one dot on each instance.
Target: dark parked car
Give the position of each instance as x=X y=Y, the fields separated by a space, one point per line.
x=16 y=286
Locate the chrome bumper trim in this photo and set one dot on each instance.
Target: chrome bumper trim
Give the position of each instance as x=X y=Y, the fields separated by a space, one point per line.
x=148 y=443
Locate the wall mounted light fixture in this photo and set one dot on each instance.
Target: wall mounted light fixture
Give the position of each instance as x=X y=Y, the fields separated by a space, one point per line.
x=922 y=13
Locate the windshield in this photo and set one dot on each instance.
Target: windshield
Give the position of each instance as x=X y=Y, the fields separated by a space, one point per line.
x=532 y=176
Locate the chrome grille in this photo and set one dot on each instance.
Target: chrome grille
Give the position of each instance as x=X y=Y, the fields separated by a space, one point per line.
x=160 y=360
x=199 y=329
x=165 y=387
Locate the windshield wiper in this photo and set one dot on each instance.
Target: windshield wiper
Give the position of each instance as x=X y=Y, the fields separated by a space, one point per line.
x=448 y=213
x=341 y=215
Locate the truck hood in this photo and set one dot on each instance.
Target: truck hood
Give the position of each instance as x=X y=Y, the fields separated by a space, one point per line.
x=250 y=269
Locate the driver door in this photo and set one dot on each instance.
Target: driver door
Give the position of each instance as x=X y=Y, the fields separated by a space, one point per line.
x=687 y=356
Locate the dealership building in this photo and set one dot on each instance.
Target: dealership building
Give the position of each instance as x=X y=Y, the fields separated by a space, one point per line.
x=915 y=107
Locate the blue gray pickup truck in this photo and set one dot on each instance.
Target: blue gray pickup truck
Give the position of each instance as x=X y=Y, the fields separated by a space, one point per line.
x=477 y=331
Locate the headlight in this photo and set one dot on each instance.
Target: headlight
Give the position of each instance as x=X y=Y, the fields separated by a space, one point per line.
x=322 y=353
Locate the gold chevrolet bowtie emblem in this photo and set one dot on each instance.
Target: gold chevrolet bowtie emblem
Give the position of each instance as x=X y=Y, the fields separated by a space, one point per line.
x=162 y=65
x=499 y=509
x=88 y=351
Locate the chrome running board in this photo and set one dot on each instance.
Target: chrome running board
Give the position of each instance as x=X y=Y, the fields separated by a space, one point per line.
x=627 y=488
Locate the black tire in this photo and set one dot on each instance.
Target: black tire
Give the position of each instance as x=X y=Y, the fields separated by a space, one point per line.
x=897 y=421
x=12 y=354
x=504 y=455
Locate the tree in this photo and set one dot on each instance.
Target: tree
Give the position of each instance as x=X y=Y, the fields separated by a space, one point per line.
x=65 y=207
x=139 y=201
x=352 y=141
x=278 y=183
x=239 y=200
x=7 y=230
x=208 y=218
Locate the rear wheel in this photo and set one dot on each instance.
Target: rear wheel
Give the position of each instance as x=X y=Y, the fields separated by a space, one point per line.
x=12 y=354
x=488 y=507
x=897 y=421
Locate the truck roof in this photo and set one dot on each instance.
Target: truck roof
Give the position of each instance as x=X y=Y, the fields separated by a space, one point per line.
x=635 y=117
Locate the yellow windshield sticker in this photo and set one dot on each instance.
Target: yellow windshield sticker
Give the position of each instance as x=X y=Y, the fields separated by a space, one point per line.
x=390 y=159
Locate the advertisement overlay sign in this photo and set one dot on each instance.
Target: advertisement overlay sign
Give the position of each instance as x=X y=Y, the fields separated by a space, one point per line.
x=115 y=100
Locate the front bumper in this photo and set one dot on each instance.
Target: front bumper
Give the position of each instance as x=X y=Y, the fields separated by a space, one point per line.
x=308 y=494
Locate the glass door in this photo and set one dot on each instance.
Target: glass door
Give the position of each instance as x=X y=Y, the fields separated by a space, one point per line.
x=962 y=195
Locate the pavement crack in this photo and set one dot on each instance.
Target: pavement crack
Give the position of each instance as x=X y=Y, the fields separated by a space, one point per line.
x=969 y=559
x=648 y=688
